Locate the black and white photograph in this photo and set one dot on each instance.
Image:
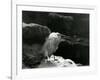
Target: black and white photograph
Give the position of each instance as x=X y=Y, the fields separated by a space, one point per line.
x=55 y=39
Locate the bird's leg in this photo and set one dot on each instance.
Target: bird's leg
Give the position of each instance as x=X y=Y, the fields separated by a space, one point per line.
x=46 y=60
x=47 y=57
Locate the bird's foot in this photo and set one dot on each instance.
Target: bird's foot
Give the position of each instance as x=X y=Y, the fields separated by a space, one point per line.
x=47 y=60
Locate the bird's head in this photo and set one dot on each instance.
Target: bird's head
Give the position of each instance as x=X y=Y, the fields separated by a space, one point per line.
x=58 y=36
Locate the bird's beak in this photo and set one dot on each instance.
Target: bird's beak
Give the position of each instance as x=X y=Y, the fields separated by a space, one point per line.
x=65 y=38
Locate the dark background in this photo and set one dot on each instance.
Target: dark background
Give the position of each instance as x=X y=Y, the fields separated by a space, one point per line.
x=71 y=24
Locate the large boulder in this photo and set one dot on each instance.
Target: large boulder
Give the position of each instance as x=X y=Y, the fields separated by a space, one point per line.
x=33 y=38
